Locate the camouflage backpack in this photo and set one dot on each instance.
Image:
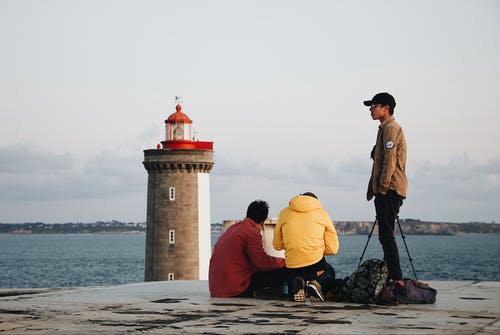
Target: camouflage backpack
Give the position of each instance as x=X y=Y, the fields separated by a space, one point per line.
x=366 y=282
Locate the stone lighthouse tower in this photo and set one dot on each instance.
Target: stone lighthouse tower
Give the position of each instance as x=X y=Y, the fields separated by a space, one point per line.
x=178 y=204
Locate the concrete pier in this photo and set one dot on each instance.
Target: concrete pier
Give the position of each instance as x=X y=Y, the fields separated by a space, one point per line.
x=184 y=307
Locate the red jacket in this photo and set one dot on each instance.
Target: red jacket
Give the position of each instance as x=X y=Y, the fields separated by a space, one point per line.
x=237 y=255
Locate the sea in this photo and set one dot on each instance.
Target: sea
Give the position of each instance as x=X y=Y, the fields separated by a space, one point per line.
x=69 y=260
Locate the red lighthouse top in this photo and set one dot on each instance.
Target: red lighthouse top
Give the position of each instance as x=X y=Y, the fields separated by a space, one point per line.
x=180 y=134
x=178 y=116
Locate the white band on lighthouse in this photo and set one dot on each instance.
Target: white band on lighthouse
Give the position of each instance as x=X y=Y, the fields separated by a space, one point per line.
x=204 y=236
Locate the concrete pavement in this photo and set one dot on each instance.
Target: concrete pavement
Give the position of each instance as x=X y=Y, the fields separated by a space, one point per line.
x=184 y=307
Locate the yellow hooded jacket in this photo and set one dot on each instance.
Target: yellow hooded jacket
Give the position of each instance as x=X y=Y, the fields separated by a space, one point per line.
x=306 y=232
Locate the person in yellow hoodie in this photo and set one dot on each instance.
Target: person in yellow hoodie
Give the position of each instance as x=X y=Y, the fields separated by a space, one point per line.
x=306 y=232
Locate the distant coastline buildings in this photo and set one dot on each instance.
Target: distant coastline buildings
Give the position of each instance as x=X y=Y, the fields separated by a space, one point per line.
x=410 y=227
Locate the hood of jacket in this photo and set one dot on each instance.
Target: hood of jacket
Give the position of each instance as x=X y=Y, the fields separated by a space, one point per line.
x=304 y=204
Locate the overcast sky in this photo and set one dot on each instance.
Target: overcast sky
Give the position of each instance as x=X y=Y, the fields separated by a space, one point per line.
x=85 y=87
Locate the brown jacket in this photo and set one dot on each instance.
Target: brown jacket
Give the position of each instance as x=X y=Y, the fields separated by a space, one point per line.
x=388 y=171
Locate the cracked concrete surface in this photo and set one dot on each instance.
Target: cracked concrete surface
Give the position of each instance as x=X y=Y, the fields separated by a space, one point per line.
x=184 y=307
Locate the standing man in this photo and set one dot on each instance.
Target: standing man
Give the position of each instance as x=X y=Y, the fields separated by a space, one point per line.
x=388 y=182
x=239 y=266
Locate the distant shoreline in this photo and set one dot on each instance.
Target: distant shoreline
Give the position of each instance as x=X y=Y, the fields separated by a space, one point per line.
x=409 y=227
x=76 y=233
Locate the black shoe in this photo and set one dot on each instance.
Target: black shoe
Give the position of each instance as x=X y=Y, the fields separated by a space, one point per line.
x=299 y=295
x=270 y=292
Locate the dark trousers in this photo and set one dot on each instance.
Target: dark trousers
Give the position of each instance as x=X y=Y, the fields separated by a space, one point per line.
x=325 y=277
x=387 y=208
x=263 y=279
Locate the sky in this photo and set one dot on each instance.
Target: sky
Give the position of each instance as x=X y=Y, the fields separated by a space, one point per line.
x=85 y=87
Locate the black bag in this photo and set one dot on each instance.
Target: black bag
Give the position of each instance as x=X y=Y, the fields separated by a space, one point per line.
x=412 y=291
x=366 y=282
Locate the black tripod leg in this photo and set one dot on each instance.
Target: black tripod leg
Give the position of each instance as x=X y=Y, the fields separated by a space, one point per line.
x=406 y=246
x=369 y=236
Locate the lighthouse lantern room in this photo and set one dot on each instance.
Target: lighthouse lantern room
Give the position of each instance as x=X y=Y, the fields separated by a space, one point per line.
x=179 y=133
x=179 y=126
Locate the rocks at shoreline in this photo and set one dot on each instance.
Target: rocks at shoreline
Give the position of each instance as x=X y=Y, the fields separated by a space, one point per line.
x=417 y=227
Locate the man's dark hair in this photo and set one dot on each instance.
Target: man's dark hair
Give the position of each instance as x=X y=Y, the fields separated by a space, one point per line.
x=310 y=194
x=258 y=211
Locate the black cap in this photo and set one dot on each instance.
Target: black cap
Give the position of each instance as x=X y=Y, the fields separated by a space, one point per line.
x=310 y=194
x=381 y=98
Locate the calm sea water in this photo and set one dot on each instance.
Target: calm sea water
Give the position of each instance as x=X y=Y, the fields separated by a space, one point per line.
x=88 y=260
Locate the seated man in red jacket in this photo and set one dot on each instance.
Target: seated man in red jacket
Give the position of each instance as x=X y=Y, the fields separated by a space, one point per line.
x=239 y=266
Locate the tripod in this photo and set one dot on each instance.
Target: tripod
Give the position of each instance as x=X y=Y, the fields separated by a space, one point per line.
x=402 y=236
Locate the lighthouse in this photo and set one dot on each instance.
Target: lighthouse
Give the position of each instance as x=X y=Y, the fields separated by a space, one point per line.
x=178 y=245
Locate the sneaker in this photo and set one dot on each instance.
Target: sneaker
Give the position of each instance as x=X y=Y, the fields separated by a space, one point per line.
x=270 y=292
x=299 y=295
x=314 y=291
